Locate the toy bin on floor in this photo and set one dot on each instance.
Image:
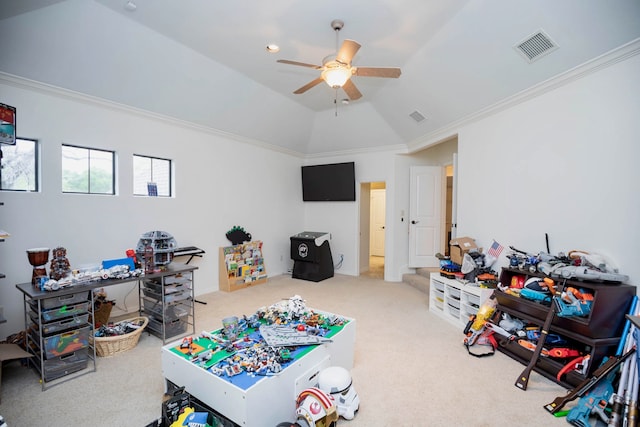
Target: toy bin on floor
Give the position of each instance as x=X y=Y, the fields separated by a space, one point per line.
x=111 y=346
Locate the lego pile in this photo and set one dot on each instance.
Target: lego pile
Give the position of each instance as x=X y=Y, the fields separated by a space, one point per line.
x=116 y=329
x=261 y=344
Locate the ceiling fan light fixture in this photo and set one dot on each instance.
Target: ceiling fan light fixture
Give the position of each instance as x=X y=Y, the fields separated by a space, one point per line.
x=336 y=77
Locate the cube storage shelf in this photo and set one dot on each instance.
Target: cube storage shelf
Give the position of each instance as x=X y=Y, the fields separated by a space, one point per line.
x=167 y=300
x=455 y=301
x=597 y=334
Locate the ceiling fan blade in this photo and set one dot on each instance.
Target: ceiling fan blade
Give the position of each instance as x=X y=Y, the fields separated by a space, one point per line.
x=377 y=72
x=351 y=90
x=347 y=51
x=302 y=64
x=309 y=85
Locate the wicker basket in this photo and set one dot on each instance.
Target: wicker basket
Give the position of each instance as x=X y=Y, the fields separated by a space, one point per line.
x=111 y=346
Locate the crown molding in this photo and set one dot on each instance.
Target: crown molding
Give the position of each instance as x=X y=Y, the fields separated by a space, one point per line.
x=59 y=92
x=594 y=65
x=605 y=60
x=391 y=149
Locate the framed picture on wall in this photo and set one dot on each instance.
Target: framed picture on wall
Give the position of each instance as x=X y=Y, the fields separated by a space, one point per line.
x=7 y=124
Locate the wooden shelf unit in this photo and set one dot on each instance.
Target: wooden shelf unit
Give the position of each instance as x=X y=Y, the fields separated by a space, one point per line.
x=241 y=266
x=597 y=334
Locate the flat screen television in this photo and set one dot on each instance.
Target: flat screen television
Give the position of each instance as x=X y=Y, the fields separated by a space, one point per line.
x=335 y=182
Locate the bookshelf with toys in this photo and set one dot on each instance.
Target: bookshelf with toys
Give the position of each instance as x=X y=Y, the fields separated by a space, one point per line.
x=241 y=265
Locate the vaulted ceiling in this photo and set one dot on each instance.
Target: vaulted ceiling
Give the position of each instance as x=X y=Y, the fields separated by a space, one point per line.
x=205 y=61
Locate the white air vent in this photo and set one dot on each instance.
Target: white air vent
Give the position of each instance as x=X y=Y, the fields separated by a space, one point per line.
x=417 y=116
x=536 y=46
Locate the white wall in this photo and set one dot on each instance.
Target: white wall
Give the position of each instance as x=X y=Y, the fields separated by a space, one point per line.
x=564 y=163
x=341 y=219
x=220 y=182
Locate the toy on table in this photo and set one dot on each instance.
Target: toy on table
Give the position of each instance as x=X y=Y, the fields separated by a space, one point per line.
x=60 y=266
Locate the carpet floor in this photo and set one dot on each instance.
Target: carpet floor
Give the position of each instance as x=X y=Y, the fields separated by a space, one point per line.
x=410 y=367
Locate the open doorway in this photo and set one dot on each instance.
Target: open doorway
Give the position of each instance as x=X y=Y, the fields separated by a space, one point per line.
x=372 y=229
x=448 y=208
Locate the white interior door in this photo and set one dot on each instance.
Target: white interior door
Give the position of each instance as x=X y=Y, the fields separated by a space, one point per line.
x=425 y=215
x=378 y=199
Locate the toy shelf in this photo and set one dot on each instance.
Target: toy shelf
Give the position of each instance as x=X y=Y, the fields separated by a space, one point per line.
x=241 y=266
x=455 y=301
x=597 y=334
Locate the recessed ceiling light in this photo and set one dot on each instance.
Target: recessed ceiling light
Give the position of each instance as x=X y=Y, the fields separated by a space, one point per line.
x=273 y=48
x=130 y=6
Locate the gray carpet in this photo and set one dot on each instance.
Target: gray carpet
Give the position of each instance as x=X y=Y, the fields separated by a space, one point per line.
x=410 y=367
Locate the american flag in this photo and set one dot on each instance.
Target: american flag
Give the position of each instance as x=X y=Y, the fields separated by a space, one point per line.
x=495 y=249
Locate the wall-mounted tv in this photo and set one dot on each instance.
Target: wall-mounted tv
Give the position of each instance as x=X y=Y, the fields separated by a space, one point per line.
x=335 y=182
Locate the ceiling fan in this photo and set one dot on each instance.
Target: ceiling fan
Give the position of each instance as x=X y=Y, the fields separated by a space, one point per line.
x=337 y=69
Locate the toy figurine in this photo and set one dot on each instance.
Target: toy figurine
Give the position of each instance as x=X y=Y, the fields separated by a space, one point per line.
x=59 y=267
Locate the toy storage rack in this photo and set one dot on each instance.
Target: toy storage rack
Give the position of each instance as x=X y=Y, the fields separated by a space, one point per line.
x=50 y=317
x=79 y=299
x=598 y=333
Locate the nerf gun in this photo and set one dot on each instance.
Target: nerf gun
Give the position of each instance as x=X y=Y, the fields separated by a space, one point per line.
x=611 y=365
x=476 y=331
x=573 y=303
x=533 y=295
x=593 y=402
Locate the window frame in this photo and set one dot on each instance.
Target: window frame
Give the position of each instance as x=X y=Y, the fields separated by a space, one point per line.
x=89 y=150
x=36 y=165
x=152 y=158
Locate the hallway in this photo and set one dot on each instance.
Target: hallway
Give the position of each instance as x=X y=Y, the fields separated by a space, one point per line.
x=376 y=268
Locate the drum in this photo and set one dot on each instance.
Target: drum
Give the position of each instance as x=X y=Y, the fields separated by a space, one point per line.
x=38 y=256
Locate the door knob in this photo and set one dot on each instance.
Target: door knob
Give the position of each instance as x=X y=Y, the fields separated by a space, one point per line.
x=414 y=222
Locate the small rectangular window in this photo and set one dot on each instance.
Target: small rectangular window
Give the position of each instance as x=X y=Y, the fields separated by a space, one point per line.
x=151 y=176
x=19 y=166
x=87 y=170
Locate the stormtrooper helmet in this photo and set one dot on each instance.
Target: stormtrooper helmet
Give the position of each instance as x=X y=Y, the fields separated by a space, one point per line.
x=315 y=408
x=296 y=307
x=337 y=382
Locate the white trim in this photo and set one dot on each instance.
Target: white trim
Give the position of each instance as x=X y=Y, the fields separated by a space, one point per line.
x=47 y=89
x=396 y=149
x=612 y=57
